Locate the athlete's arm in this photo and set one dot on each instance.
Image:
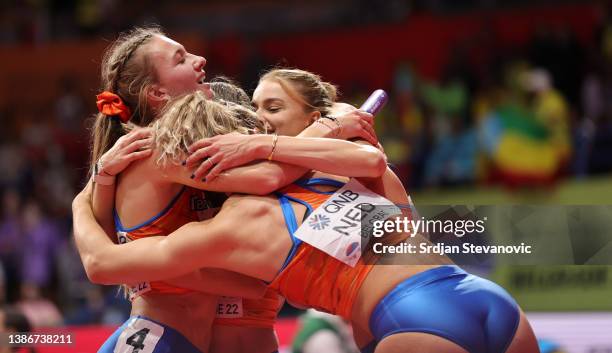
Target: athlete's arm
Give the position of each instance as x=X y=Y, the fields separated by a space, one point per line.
x=144 y=260
x=331 y=156
x=128 y=148
x=109 y=263
x=259 y=178
x=102 y=203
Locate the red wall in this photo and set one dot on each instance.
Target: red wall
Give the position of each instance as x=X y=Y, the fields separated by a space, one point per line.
x=367 y=55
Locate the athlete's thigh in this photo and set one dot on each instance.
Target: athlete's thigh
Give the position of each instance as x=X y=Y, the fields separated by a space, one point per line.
x=417 y=342
x=524 y=340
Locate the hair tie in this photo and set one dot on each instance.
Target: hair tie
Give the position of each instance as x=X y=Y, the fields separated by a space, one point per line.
x=112 y=105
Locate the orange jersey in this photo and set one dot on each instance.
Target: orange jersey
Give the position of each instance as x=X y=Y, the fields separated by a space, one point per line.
x=192 y=205
x=260 y=313
x=189 y=205
x=310 y=277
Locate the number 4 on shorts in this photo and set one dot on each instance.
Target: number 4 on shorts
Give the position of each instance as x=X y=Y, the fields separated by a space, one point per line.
x=139 y=336
x=137 y=339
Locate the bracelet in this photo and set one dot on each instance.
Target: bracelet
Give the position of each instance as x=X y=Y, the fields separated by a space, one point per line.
x=274 y=141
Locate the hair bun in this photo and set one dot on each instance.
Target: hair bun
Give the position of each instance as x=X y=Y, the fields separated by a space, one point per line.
x=330 y=90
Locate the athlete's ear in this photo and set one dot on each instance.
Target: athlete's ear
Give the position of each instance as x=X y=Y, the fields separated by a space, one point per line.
x=312 y=117
x=156 y=94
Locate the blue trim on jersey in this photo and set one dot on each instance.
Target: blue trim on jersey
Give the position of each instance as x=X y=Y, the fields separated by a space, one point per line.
x=291 y=223
x=307 y=183
x=289 y=214
x=120 y=227
x=309 y=208
x=320 y=181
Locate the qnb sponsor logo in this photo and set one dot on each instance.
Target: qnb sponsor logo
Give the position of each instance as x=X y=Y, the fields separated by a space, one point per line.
x=340 y=200
x=319 y=222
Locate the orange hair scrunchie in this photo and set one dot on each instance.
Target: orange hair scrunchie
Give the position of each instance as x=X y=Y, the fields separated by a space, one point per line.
x=111 y=104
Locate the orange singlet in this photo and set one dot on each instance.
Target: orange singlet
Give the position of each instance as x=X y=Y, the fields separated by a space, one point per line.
x=192 y=205
x=309 y=276
x=259 y=313
x=189 y=205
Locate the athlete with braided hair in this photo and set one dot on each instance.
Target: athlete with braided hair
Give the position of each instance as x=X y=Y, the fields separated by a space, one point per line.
x=422 y=308
x=141 y=72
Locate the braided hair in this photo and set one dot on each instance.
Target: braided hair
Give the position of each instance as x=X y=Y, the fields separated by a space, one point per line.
x=127 y=72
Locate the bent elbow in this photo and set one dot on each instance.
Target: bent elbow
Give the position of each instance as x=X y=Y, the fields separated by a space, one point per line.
x=267 y=185
x=378 y=164
x=96 y=271
x=93 y=270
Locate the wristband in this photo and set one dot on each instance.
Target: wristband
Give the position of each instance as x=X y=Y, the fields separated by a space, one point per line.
x=102 y=179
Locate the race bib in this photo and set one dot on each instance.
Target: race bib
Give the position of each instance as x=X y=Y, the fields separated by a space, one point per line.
x=341 y=224
x=229 y=308
x=139 y=336
x=136 y=290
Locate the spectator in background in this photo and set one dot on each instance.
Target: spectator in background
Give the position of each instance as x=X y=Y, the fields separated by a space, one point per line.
x=40 y=311
x=453 y=157
x=41 y=241
x=83 y=302
x=13 y=164
x=597 y=159
x=2 y=285
x=526 y=135
x=551 y=109
x=593 y=104
x=557 y=51
x=69 y=107
x=409 y=149
x=10 y=241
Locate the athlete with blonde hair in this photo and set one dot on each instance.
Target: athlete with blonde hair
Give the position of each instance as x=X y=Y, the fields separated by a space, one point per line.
x=141 y=72
x=393 y=306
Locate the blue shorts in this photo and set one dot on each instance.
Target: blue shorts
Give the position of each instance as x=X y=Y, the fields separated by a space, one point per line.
x=446 y=301
x=142 y=335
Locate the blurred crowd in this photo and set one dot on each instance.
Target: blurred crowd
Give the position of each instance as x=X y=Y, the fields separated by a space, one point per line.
x=522 y=117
